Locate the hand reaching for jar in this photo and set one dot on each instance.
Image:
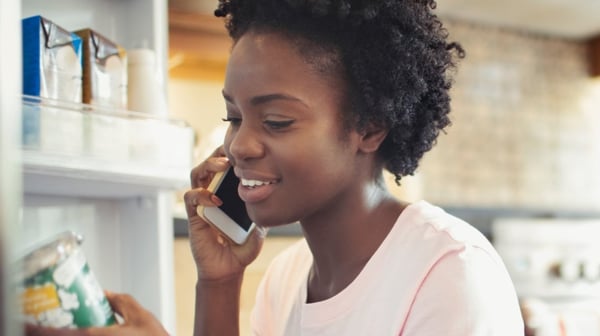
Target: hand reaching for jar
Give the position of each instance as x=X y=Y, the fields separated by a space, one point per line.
x=137 y=321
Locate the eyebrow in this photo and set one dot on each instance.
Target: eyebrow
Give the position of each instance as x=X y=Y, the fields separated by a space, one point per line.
x=263 y=99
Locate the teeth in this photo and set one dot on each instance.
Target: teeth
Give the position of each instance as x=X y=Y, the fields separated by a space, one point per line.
x=254 y=183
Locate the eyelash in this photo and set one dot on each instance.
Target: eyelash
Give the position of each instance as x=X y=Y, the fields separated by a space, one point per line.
x=276 y=125
x=233 y=121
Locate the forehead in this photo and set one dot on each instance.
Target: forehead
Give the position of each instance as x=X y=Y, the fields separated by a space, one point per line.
x=272 y=61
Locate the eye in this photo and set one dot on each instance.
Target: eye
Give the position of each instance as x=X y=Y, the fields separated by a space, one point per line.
x=233 y=121
x=278 y=125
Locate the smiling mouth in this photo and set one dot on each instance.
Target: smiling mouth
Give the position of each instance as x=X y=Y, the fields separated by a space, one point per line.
x=255 y=183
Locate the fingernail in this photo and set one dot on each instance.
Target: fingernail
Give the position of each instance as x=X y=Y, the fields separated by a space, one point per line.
x=216 y=200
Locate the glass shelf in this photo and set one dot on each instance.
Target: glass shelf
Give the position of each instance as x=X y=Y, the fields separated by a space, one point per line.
x=83 y=150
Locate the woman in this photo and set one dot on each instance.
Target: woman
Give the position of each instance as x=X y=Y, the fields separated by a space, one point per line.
x=322 y=96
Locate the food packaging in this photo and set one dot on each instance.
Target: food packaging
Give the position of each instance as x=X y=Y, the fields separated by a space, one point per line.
x=58 y=289
x=51 y=60
x=104 y=71
x=52 y=72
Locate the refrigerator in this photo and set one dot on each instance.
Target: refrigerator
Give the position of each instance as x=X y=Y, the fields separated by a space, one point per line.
x=123 y=208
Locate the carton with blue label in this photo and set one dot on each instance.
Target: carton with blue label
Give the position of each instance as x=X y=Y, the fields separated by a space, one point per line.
x=52 y=70
x=52 y=60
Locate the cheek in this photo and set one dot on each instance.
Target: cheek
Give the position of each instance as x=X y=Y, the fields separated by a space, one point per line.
x=318 y=169
x=314 y=171
x=325 y=153
x=227 y=142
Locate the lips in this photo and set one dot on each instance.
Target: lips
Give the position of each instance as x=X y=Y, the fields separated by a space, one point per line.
x=254 y=189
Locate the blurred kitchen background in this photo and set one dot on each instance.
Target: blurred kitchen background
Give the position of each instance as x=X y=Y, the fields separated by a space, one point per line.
x=520 y=161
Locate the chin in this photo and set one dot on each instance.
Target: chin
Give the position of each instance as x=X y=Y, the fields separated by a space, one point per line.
x=270 y=221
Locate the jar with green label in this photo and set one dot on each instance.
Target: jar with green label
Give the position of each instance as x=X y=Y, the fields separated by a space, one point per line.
x=58 y=289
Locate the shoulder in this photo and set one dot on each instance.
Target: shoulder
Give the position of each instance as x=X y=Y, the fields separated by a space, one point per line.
x=443 y=251
x=427 y=241
x=465 y=285
x=432 y=227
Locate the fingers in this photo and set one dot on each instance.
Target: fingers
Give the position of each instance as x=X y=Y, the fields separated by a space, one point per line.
x=201 y=175
x=251 y=248
x=199 y=197
x=130 y=309
x=123 y=304
x=138 y=320
x=199 y=229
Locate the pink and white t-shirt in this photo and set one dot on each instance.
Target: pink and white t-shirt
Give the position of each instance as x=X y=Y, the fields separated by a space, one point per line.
x=433 y=275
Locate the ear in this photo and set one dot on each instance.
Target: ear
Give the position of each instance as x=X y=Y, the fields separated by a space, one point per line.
x=371 y=138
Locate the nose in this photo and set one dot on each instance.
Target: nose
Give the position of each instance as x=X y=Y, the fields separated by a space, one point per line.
x=244 y=143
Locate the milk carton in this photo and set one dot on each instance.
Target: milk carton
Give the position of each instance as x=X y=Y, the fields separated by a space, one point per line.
x=51 y=60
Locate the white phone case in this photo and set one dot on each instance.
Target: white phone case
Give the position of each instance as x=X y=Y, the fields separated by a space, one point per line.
x=220 y=220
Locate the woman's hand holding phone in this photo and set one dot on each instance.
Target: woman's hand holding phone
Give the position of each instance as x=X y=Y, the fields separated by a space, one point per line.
x=216 y=256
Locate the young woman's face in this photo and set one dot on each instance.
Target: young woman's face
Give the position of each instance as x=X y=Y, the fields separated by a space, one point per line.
x=285 y=139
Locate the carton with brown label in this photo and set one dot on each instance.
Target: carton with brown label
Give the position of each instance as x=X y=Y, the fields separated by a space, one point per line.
x=104 y=71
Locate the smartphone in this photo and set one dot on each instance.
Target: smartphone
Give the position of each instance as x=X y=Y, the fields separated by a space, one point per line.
x=231 y=218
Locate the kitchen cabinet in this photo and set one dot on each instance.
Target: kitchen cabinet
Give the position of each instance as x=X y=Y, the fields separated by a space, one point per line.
x=123 y=208
x=199 y=45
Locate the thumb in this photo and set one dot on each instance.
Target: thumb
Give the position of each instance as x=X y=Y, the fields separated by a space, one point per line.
x=136 y=317
x=251 y=248
x=125 y=305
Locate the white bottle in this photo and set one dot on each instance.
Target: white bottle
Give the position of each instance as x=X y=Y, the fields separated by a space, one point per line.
x=145 y=94
x=144 y=91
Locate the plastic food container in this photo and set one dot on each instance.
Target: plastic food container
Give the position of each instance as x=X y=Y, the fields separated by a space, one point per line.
x=58 y=289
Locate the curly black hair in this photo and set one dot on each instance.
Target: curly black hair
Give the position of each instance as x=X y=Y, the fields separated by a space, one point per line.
x=394 y=55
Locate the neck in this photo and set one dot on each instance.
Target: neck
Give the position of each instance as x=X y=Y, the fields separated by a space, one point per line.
x=344 y=238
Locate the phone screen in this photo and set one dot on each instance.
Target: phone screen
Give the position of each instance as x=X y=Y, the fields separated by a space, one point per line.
x=233 y=205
